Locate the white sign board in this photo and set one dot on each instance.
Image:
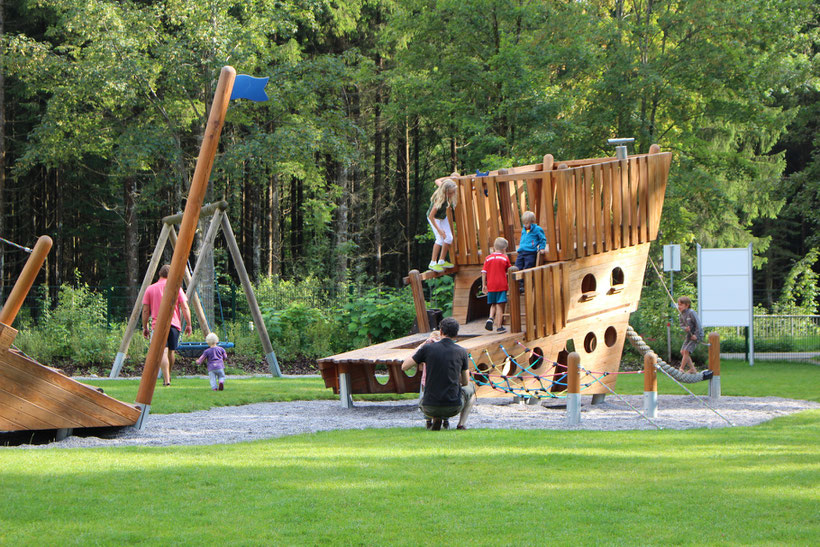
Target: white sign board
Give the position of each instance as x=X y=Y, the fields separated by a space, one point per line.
x=671 y=258
x=725 y=289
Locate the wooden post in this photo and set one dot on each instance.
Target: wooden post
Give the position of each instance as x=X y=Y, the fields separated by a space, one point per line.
x=208 y=209
x=573 y=389
x=207 y=244
x=418 y=299
x=515 y=301
x=650 y=385
x=136 y=312
x=196 y=195
x=195 y=303
x=26 y=279
x=256 y=314
x=714 y=365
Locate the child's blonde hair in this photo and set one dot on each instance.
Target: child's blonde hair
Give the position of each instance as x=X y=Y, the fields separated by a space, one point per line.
x=528 y=217
x=685 y=300
x=440 y=195
x=500 y=244
x=212 y=339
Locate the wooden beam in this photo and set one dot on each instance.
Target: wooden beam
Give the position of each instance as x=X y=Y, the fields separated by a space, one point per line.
x=199 y=185
x=253 y=305
x=196 y=304
x=204 y=211
x=207 y=245
x=418 y=301
x=26 y=279
x=136 y=311
x=515 y=301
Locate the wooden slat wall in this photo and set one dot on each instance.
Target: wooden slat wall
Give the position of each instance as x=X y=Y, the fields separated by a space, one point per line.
x=36 y=397
x=584 y=210
x=546 y=299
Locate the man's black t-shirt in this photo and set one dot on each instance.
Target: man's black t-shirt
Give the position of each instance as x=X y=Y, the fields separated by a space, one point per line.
x=445 y=360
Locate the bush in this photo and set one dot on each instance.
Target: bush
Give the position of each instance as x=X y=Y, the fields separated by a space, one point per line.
x=441 y=294
x=379 y=315
x=302 y=330
x=75 y=329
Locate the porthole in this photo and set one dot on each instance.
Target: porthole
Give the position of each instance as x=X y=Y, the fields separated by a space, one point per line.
x=610 y=336
x=617 y=277
x=588 y=284
x=536 y=359
x=590 y=342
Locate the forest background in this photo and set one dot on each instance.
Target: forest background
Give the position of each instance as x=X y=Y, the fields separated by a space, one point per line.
x=104 y=103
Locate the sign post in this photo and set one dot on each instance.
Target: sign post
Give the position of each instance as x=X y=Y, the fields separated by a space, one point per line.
x=725 y=290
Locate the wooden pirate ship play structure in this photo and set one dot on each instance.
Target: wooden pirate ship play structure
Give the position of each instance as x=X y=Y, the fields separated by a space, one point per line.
x=599 y=217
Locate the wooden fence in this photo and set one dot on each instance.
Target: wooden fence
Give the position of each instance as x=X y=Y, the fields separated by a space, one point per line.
x=585 y=208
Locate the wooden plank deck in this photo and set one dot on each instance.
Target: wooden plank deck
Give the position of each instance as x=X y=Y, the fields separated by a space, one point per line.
x=33 y=397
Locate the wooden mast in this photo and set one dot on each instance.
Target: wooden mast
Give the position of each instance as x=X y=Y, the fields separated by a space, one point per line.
x=187 y=229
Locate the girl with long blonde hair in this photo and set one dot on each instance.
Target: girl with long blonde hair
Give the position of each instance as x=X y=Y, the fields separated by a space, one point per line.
x=442 y=199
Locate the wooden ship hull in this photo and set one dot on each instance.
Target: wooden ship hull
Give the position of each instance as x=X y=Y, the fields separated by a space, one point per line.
x=599 y=217
x=36 y=397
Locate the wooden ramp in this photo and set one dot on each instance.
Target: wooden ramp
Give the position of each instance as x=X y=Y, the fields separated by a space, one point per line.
x=36 y=397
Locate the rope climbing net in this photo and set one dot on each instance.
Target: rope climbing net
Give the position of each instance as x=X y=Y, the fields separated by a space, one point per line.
x=520 y=379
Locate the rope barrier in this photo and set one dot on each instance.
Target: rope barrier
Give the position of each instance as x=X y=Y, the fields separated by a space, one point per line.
x=644 y=416
x=699 y=399
x=13 y=244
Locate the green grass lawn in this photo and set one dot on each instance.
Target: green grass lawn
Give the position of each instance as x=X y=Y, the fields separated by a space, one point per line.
x=756 y=485
x=749 y=485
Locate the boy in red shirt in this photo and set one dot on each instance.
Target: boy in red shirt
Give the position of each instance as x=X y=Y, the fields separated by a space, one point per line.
x=494 y=283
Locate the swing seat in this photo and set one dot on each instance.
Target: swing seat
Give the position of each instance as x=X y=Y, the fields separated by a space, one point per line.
x=195 y=349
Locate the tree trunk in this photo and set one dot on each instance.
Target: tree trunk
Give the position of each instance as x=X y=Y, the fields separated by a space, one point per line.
x=256 y=232
x=274 y=234
x=417 y=192
x=401 y=199
x=2 y=157
x=342 y=219
x=377 y=189
x=132 y=269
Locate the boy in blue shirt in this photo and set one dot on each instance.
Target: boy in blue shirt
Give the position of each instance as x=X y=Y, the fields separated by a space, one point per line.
x=533 y=241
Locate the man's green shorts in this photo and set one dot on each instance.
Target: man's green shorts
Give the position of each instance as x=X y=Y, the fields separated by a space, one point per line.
x=434 y=411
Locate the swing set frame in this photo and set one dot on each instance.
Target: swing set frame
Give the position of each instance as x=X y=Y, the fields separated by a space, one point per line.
x=219 y=221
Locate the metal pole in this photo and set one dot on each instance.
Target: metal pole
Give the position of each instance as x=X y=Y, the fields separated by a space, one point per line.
x=650 y=385
x=573 y=389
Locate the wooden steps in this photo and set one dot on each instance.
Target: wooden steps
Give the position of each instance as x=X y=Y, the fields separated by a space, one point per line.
x=33 y=397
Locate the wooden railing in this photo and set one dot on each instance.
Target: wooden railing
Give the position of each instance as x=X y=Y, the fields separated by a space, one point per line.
x=545 y=299
x=584 y=209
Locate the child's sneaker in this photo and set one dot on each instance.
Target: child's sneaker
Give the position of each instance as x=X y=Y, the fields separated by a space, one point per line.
x=221 y=386
x=489 y=324
x=436 y=267
x=447 y=265
x=500 y=329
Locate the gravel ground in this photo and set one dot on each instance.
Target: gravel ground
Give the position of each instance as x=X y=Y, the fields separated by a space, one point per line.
x=269 y=420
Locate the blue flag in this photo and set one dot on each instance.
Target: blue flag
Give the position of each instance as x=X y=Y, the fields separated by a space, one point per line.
x=248 y=87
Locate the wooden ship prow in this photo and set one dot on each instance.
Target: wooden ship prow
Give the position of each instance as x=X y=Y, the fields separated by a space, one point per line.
x=599 y=217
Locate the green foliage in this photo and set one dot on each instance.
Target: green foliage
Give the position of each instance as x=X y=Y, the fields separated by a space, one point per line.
x=379 y=315
x=300 y=330
x=441 y=293
x=75 y=329
x=800 y=291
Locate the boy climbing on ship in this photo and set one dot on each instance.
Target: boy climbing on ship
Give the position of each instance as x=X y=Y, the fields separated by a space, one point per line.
x=494 y=283
x=533 y=241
